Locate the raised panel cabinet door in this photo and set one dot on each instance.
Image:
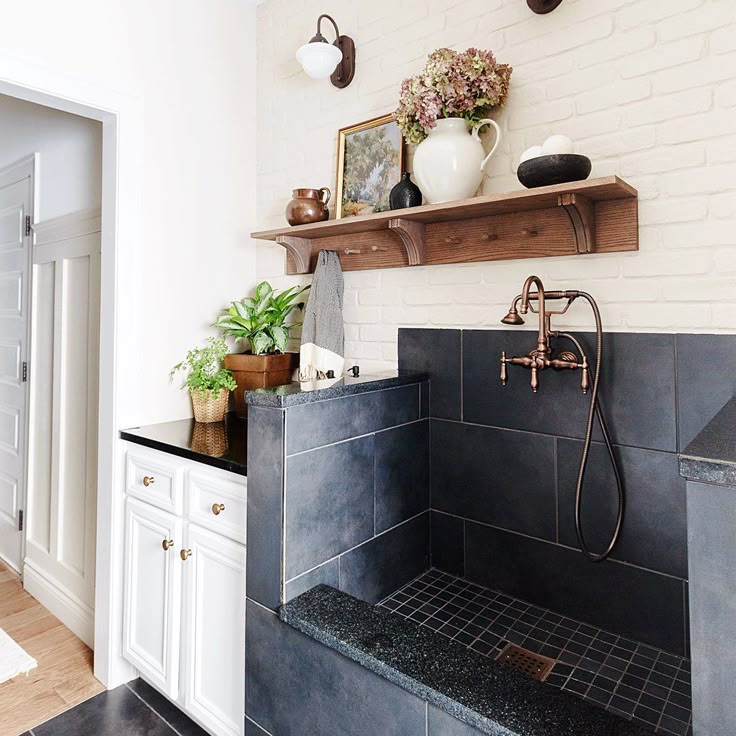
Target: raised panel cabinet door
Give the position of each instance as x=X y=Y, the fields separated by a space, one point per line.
x=213 y=642
x=152 y=606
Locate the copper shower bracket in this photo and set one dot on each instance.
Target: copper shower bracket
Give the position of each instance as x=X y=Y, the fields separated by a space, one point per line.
x=581 y=212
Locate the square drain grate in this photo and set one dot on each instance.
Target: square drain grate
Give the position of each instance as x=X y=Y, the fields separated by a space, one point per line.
x=534 y=665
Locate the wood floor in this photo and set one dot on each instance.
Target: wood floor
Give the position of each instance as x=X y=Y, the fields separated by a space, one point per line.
x=63 y=677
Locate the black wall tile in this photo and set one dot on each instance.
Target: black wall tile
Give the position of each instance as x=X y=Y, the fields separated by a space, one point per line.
x=448 y=543
x=637 y=387
x=265 y=483
x=324 y=422
x=295 y=686
x=706 y=380
x=328 y=573
x=382 y=565
x=440 y=723
x=654 y=534
x=436 y=353
x=328 y=502
x=402 y=474
x=711 y=512
x=497 y=476
x=645 y=606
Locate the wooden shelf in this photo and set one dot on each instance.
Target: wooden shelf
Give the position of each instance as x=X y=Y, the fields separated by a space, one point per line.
x=592 y=216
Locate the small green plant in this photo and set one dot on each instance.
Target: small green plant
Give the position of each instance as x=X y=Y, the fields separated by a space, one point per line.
x=204 y=370
x=260 y=320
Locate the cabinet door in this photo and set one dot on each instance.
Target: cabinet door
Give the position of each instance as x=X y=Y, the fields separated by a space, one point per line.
x=151 y=620
x=213 y=642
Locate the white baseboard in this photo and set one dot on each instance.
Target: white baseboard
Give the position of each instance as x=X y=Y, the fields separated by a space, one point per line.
x=75 y=615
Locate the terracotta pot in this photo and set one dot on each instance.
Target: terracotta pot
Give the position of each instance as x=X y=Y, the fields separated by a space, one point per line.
x=308 y=205
x=259 y=371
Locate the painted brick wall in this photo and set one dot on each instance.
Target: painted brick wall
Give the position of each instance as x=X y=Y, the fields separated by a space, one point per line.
x=646 y=88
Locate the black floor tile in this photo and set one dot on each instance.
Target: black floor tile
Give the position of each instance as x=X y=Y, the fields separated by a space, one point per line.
x=623 y=676
x=166 y=709
x=118 y=712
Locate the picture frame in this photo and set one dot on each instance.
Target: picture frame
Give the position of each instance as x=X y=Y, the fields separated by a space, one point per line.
x=370 y=161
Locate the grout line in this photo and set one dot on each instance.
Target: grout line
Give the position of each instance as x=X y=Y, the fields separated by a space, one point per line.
x=462 y=377
x=153 y=710
x=357 y=437
x=556 y=544
x=260 y=605
x=556 y=473
x=255 y=723
x=366 y=541
x=548 y=434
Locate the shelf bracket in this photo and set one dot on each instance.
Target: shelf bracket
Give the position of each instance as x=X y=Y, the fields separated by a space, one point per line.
x=300 y=249
x=414 y=237
x=581 y=212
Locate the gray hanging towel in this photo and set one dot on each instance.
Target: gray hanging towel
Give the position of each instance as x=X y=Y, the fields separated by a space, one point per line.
x=323 y=332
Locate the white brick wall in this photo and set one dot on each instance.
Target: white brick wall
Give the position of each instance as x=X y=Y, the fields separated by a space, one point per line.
x=647 y=88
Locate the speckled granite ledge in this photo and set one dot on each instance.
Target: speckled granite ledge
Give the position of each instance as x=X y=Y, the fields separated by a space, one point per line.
x=496 y=700
x=293 y=394
x=711 y=456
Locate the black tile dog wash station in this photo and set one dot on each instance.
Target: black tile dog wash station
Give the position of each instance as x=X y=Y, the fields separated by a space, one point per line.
x=450 y=503
x=405 y=530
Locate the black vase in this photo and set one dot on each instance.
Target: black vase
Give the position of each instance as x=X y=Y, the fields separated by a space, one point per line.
x=405 y=194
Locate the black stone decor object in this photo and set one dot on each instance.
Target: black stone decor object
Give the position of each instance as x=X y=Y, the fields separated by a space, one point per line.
x=405 y=194
x=558 y=168
x=543 y=6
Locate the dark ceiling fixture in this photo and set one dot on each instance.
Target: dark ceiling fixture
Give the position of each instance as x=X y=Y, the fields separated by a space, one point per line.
x=321 y=59
x=543 y=6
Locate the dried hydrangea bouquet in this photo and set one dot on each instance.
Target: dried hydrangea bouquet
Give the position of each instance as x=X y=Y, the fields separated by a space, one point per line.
x=442 y=109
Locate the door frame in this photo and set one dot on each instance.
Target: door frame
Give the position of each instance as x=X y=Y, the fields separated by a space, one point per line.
x=28 y=166
x=121 y=115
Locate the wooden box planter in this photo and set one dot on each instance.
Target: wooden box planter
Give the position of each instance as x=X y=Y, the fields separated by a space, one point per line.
x=259 y=371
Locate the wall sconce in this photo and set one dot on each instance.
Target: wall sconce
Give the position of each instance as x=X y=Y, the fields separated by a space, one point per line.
x=543 y=6
x=321 y=59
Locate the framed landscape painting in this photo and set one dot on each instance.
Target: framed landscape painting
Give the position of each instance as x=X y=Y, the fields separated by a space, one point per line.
x=370 y=160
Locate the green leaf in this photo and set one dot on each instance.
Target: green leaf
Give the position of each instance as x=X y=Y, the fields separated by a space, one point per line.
x=280 y=337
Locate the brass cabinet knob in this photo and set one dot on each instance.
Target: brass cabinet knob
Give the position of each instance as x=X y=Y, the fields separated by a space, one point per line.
x=185 y=554
x=167 y=544
x=148 y=480
x=218 y=508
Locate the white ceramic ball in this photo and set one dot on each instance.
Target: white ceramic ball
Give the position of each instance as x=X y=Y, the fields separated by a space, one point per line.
x=557 y=144
x=533 y=152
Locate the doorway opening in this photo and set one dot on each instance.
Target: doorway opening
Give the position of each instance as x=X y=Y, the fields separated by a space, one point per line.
x=50 y=283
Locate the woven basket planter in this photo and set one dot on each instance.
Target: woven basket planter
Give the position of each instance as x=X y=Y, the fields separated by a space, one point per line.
x=210 y=439
x=208 y=408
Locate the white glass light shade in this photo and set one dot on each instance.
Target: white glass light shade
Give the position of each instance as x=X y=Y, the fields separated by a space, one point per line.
x=318 y=59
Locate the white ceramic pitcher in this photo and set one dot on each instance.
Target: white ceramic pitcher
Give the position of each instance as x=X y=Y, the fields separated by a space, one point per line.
x=449 y=162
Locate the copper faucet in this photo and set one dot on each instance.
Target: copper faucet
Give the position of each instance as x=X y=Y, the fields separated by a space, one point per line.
x=541 y=358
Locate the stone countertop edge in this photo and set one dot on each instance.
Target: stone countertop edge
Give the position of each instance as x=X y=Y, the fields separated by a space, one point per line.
x=495 y=700
x=292 y=394
x=711 y=456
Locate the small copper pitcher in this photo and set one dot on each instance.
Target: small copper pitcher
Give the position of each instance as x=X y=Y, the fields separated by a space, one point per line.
x=308 y=205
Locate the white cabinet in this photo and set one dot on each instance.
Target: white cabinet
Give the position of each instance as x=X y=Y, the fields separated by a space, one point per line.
x=214 y=631
x=184 y=610
x=151 y=620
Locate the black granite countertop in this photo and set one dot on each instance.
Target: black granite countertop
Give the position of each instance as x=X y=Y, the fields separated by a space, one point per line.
x=220 y=444
x=293 y=394
x=475 y=689
x=711 y=456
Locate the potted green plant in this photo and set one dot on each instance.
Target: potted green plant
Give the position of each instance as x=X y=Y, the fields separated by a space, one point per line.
x=260 y=322
x=208 y=382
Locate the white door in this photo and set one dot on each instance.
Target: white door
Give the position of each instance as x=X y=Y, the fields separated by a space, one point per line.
x=152 y=606
x=214 y=631
x=16 y=196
